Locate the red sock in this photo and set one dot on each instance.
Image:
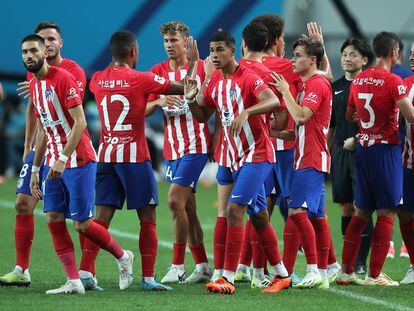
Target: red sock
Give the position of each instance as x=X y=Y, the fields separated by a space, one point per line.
x=64 y=248
x=23 y=237
x=90 y=250
x=148 y=243
x=407 y=232
x=291 y=241
x=332 y=255
x=246 y=253
x=234 y=243
x=307 y=236
x=268 y=240
x=98 y=234
x=381 y=237
x=259 y=257
x=323 y=241
x=199 y=253
x=352 y=241
x=178 y=253
x=219 y=243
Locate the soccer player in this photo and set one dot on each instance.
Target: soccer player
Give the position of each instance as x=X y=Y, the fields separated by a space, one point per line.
x=124 y=168
x=70 y=167
x=406 y=213
x=186 y=147
x=312 y=160
x=376 y=95
x=240 y=96
x=25 y=203
x=355 y=54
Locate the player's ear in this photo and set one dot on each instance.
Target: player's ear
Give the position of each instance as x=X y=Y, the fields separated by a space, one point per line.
x=61 y=43
x=233 y=51
x=364 y=61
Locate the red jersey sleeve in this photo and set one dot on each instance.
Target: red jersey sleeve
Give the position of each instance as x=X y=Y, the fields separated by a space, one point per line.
x=397 y=88
x=69 y=92
x=148 y=82
x=314 y=95
x=153 y=97
x=80 y=78
x=255 y=84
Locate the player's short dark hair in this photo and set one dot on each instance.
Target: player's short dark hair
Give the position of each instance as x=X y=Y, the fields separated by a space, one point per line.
x=275 y=26
x=255 y=35
x=174 y=26
x=47 y=25
x=384 y=42
x=121 y=43
x=361 y=45
x=224 y=36
x=34 y=37
x=312 y=48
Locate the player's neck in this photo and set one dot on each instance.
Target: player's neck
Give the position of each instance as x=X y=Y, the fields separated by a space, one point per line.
x=56 y=61
x=254 y=56
x=384 y=63
x=269 y=52
x=306 y=75
x=178 y=62
x=229 y=69
x=351 y=75
x=42 y=72
x=122 y=63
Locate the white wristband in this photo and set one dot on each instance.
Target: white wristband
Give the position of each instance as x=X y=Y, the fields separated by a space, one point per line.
x=63 y=158
x=191 y=101
x=35 y=169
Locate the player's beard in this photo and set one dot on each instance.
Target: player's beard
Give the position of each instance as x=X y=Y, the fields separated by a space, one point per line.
x=34 y=68
x=51 y=57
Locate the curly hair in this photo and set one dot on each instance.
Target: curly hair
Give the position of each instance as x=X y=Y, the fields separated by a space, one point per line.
x=173 y=27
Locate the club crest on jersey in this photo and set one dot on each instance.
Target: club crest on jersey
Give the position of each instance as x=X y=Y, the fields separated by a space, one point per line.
x=233 y=94
x=49 y=94
x=226 y=118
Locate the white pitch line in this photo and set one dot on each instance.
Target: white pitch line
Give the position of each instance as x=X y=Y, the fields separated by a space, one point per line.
x=169 y=245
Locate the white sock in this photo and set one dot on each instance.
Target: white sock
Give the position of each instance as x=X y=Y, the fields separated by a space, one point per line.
x=124 y=257
x=324 y=274
x=218 y=271
x=311 y=268
x=202 y=266
x=85 y=274
x=280 y=270
x=242 y=267
x=229 y=275
x=334 y=265
x=179 y=267
x=258 y=272
x=149 y=279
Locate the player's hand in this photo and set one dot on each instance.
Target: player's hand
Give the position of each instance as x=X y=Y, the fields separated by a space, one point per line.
x=56 y=170
x=26 y=153
x=314 y=32
x=190 y=88
x=280 y=83
x=274 y=133
x=208 y=66
x=34 y=186
x=349 y=144
x=237 y=124
x=191 y=50
x=170 y=100
x=23 y=89
x=355 y=117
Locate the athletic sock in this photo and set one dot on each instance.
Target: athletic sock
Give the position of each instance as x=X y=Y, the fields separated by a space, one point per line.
x=259 y=257
x=268 y=240
x=219 y=242
x=178 y=253
x=307 y=236
x=246 y=252
x=199 y=253
x=291 y=243
x=23 y=237
x=407 y=232
x=323 y=241
x=148 y=243
x=352 y=241
x=234 y=243
x=365 y=243
x=381 y=237
x=332 y=255
x=345 y=220
x=63 y=245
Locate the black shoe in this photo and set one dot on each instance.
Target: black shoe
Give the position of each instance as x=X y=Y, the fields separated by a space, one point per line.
x=360 y=269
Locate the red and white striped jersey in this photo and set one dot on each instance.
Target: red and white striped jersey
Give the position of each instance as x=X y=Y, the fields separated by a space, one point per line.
x=182 y=133
x=230 y=96
x=311 y=150
x=121 y=95
x=374 y=94
x=73 y=68
x=409 y=142
x=284 y=67
x=53 y=96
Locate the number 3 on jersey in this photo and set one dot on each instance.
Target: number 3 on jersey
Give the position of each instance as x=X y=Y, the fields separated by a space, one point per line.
x=367 y=97
x=118 y=125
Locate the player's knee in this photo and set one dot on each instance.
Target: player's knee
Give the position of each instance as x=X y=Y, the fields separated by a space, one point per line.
x=386 y=212
x=294 y=211
x=175 y=202
x=23 y=206
x=147 y=213
x=234 y=213
x=260 y=220
x=348 y=209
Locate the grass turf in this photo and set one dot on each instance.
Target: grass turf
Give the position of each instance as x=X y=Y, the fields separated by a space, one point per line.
x=47 y=273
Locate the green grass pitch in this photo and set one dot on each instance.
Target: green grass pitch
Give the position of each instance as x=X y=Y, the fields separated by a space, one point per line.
x=47 y=273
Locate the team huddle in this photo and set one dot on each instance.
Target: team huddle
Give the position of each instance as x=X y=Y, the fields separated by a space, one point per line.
x=271 y=141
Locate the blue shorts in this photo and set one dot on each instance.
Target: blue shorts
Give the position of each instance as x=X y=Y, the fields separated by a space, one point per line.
x=408 y=193
x=23 y=182
x=186 y=170
x=284 y=170
x=379 y=174
x=308 y=192
x=134 y=182
x=271 y=183
x=72 y=194
x=224 y=176
x=248 y=186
